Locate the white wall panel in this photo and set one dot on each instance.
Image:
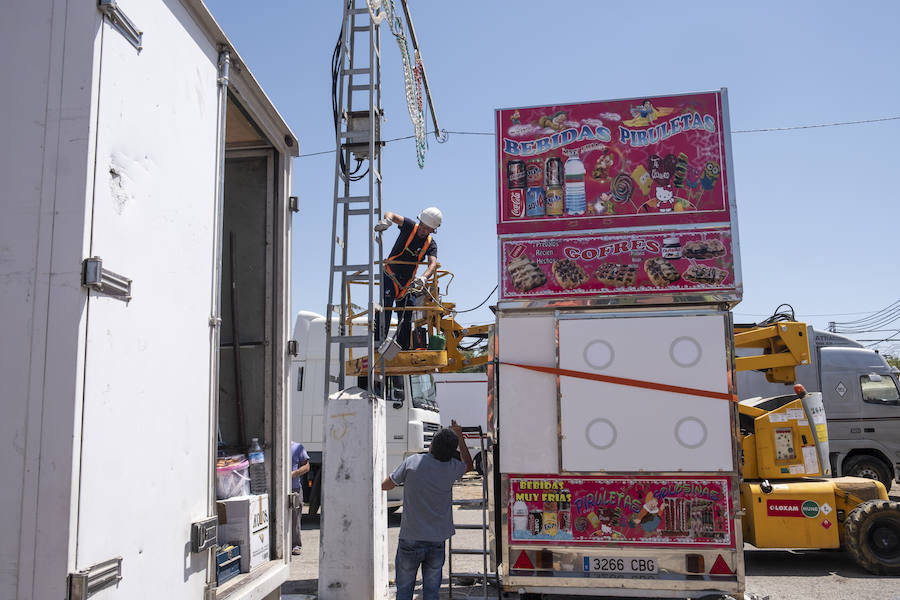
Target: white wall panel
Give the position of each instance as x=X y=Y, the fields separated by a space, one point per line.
x=614 y=427
x=528 y=406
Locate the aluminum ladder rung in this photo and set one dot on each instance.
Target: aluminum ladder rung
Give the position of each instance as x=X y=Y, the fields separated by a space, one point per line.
x=351 y=340
x=350 y=268
x=477 y=526
x=360 y=28
x=359 y=11
x=363 y=87
x=469 y=502
x=477 y=551
x=353 y=199
x=357 y=71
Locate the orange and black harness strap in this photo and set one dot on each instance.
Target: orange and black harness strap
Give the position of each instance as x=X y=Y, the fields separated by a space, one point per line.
x=398 y=293
x=663 y=387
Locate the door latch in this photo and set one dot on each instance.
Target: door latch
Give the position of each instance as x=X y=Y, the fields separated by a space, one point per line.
x=103 y=281
x=204 y=534
x=87 y=582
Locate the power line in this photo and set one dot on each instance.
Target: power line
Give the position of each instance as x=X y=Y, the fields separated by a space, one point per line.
x=764 y=130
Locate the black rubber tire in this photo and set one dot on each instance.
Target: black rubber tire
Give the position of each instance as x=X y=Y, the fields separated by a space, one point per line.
x=315 y=494
x=479 y=468
x=868 y=467
x=872 y=536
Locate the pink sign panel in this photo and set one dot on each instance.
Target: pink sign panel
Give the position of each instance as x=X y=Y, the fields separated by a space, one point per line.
x=635 y=163
x=632 y=263
x=629 y=511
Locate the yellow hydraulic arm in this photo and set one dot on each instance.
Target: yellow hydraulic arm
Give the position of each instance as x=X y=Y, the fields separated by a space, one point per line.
x=784 y=346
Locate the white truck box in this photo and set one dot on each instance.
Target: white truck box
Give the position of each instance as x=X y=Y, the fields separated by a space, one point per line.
x=116 y=388
x=463 y=398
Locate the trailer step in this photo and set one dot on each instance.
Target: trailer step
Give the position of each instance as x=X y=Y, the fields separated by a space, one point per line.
x=478 y=526
x=476 y=551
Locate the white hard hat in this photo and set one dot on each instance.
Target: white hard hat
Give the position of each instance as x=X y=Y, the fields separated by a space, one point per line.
x=431 y=217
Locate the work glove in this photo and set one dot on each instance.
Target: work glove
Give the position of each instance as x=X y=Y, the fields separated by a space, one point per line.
x=417 y=284
x=382 y=225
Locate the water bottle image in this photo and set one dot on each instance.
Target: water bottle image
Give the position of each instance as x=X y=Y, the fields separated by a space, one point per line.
x=257 y=468
x=574 y=176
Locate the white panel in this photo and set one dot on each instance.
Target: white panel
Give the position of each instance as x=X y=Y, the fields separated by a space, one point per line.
x=145 y=456
x=528 y=413
x=614 y=427
x=353 y=549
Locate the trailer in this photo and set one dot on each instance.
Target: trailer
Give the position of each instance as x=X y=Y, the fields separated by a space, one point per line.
x=145 y=293
x=612 y=410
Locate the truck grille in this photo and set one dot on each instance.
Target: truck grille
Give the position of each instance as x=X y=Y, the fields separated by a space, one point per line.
x=429 y=430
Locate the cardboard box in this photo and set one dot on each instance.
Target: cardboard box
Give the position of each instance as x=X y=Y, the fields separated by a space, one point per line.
x=244 y=521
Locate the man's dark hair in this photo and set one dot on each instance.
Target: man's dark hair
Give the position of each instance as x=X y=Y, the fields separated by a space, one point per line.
x=443 y=444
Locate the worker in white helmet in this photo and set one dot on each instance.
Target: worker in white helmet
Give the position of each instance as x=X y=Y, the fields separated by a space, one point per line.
x=413 y=245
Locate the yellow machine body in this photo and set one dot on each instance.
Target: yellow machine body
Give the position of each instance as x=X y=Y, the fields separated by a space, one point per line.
x=782 y=445
x=796 y=514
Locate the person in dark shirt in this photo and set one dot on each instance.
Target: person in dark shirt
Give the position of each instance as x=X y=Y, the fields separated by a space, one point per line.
x=414 y=244
x=427 y=518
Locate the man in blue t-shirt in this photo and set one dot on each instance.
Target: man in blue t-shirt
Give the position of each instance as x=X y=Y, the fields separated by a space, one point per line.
x=427 y=518
x=414 y=244
x=299 y=467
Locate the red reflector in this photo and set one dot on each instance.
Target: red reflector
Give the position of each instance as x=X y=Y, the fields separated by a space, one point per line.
x=523 y=562
x=720 y=567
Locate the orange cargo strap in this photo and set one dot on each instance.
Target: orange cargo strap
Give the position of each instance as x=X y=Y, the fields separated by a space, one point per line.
x=397 y=291
x=663 y=387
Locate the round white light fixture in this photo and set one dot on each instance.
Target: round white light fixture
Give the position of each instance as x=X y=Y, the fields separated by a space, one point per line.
x=601 y=434
x=599 y=354
x=685 y=351
x=690 y=432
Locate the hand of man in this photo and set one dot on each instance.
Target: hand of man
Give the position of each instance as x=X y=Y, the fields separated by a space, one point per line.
x=383 y=224
x=455 y=428
x=420 y=283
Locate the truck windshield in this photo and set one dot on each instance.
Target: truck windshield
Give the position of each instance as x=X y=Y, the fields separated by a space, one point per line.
x=883 y=389
x=423 y=392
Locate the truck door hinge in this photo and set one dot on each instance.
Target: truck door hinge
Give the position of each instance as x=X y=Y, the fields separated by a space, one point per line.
x=87 y=582
x=295 y=500
x=102 y=281
x=292 y=347
x=204 y=534
x=294 y=203
x=121 y=22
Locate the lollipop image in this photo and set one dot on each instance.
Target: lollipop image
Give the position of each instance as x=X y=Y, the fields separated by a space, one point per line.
x=622 y=188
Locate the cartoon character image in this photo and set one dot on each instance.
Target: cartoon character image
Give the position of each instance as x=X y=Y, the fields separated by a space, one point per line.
x=515 y=118
x=645 y=114
x=642 y=178
x=707 y=181
x=601 y=167
x=556 y=121
x=650 y=516
x=665 y=202
x=603 y=205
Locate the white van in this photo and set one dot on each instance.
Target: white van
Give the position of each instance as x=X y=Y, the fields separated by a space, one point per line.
x=411 y=411
x=862 y=404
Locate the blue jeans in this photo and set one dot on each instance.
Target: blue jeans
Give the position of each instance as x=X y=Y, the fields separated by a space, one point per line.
x=411 y=554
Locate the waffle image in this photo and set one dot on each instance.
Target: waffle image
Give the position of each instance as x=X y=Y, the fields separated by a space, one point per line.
x=660 y=271
x=703 y=249
x=525 y=274
x=616 y=275
x=568 y=273
x=705 y=274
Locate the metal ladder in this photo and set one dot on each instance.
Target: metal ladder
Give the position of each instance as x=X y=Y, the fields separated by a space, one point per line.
x=357 y=198
x=484 y=551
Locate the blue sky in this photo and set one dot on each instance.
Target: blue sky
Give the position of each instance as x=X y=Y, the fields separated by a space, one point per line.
x=817 y=208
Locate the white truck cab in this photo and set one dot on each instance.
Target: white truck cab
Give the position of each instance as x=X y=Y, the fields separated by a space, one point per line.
x=411 y=410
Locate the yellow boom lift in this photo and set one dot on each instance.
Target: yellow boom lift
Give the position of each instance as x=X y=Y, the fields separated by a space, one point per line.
x=788 y=498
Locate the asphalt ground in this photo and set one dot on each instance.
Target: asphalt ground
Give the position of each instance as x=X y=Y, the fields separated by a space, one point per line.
x=772 y=574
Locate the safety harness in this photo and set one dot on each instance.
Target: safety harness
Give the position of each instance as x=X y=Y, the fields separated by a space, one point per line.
x=398 y=293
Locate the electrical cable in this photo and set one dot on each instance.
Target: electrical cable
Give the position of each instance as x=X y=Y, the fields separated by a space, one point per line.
x=445 y=133
x=482 y=302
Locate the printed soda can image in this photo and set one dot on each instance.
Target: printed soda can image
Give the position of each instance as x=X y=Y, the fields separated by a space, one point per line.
x=553 y=172
x=516 y=203
x=551 y=526
x=594 y=519
x=534 y=202
x=565 y=520
x=536 y=522
x=515 y=174
x=534 y=172
x=553 y=201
